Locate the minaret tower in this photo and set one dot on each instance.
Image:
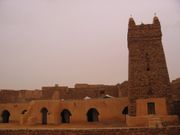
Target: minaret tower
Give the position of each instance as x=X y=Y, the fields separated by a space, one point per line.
x=149 y=84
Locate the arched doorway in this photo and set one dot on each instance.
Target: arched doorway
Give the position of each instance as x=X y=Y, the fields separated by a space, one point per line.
x=125 y=110
x=92 y=115
x=5 y=116
x=44 y=112
x=65 y=116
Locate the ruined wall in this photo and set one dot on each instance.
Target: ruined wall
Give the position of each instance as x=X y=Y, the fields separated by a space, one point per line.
x=94 y=92
x=62 y=92
x=148 y=74
x=79 y=92
x=16 y=96
x=123 y=89
x=29 y=95
x=109 y=131
x=54 y=92
x=8 y=96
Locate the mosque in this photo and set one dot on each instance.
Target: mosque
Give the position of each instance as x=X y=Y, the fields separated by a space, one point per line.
x=146 y=99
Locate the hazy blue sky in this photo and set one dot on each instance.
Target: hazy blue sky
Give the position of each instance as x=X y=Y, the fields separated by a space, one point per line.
x=43 y=42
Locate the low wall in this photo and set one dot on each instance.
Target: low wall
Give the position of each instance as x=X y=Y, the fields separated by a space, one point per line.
x=110 y=131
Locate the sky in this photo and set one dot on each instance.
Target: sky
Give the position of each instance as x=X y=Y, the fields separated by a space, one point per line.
x=47 y=42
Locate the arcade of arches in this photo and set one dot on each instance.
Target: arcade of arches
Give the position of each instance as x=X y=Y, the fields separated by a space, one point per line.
x=74 y=111
x=92 y=115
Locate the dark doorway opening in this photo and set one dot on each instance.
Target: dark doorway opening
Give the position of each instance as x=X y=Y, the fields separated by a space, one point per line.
x=151 y=108
x=92 y=115
x=65 y=116
x=125 y=110
x=44 y=112
x=177 y=108
x=5 y=116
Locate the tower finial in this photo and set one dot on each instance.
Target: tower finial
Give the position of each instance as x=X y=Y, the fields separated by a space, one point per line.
x=155 y=19
x=155 y=14
x=131 y=21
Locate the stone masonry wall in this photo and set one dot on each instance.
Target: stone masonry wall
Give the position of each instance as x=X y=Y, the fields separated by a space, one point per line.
x=79 y=92
x=109 y=131
x=175 y=86
x=61 y=92
x=16 y=96
x=148 y=74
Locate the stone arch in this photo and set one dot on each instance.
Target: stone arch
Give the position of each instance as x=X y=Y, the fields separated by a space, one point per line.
x=5 y=116
x=65 y=116
x=44 y=112
x=125 y=110
x=92 y=115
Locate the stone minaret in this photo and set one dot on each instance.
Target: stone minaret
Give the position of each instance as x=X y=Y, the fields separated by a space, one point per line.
x=148 y=74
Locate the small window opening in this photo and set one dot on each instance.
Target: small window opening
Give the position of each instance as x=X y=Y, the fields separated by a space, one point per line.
x=147 y=62
x=151 y=108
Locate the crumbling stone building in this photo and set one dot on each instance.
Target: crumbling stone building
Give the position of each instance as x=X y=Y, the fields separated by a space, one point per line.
x=146 y=99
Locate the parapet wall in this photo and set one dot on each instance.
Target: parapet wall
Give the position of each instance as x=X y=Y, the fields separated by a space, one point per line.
x=78 y=92
x=16 y=96
x=108 y=131
x=56 y=92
